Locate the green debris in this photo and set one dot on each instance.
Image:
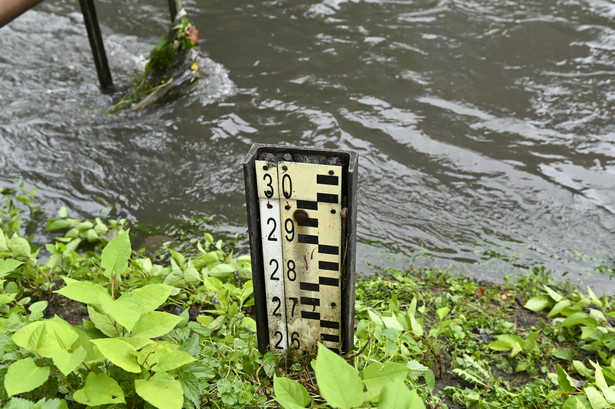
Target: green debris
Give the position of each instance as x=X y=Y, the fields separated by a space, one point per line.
x=172 y=69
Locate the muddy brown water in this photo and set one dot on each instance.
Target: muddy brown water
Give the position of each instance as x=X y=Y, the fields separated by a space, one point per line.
x=485 y=130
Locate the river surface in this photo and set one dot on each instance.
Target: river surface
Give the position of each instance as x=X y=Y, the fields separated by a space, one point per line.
x=485 y=129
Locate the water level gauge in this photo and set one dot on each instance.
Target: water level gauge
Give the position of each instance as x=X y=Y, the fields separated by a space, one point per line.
x=301 y=215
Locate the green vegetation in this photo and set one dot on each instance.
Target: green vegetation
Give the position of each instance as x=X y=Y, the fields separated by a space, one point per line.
x=171 y=71
x=86 y=321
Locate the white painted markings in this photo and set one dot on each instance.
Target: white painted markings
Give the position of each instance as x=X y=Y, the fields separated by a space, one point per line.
x=301 y=227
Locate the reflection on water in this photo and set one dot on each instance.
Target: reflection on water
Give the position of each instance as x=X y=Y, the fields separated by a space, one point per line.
x=485 y=130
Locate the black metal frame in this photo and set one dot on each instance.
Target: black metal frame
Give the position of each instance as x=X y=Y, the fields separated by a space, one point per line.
x=349 y=200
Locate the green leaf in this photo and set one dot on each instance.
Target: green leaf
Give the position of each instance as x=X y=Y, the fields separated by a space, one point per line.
x=126 y=310
x=222 y=271
x=442 y=312
x=608 y=392
x=7 y=298
x=45 y=338
x=579 y=318
x=396 y=395
x=553 y=294
x=565 y=382
x=19 y=246
x=67 y=361
x=23 y=376
x=162 y=356
x=162 y=391
x=573 y=403
x=514 y=340
x=500 y=345
x=559 y=307
x=115 y=255
x=596 y=400
x=152 y=296
x=538 y=303
x=102 y=322
x=562 y=353
x=594 y=299
x=85 y=292
x=6 y=266
x=339 y=382
x=119 y=352
x=155 y=324
x=99 y=389
x=529 y=345
x=376 y=376
x=290 y=394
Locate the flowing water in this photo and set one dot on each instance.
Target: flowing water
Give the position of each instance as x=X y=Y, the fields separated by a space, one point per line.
x=485 y=129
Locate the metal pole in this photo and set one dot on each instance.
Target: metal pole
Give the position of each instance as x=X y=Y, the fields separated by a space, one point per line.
x=174 y=7
x=96 y=42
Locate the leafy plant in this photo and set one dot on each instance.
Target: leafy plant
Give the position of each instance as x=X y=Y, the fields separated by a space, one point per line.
x=341 y=386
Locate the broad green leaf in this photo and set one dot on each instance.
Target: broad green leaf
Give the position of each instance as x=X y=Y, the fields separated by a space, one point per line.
x=392 y=322
x=93 y=355
x=163 y=356
x=19 y=246
x=416 y=327
x=115 y=255
x=155 y=324
x=579 y=318
x=50 y=404
x=221 y=271
x=85 y=292
x=102 y=322
x=6 y=266
x=119 y=352
x=608 y=392
x=339 y=382
x=58 y=224
x=573 y=403
x=67 y=361
x=553 y=294
x=7 y=298
x=442 y=312
x=376 y=376
x=126 y=310
x=538 y=303
x=22 y=338
x=596 y=400
x=565 y=382
x=594 y=299
x=559 y=307
x=290 y=394
x=23 y=376
x=562 y=353
x=582 y=369
x=162 y=391
x=500 y=345
x=529 y=345
x=99 y=389
x=514 y=340
x=151 y=296
x=45 y=338
x=396 y=395
x=3 y=242
x=137 y=342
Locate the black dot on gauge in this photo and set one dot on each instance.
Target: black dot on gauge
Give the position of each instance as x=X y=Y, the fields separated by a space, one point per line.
x=333 y=305
x=331 y=172
x=332 y=211
x=284 y=167
x=265 y=167
x=269 y=205
x=287 y=207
